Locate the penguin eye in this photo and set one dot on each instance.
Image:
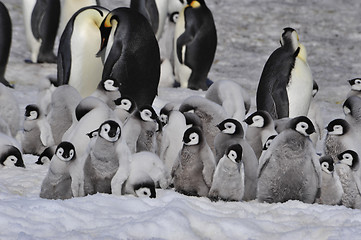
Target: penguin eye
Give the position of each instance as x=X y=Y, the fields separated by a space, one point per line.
x=232 y=155
x=60 y=152
x=106 y=128
x=71 y=153
x=346 y=110
x=347 y=156
x=145 y=193
x=357 y=81
x=325 y=165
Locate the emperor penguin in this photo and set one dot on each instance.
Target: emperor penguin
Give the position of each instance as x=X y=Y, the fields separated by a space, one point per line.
x=5 y=42
x=63 y=103
x=352 y=110
x=102 y=162
x=57 y=182
x=231 y=132
x=155 y=11
x=355 y=87
x=41 y=19
x=128 y=51
x=290 y=168
x=348 y=170
x=9 y=109
x=139 y=184
x=340 y=137
x=195 y=43
x=108 y=91
x=331 y=188
x=46 y=156
x=315 y=115
x=37 y=134
x=124 y=107
x=228 y=178
x=210 y=114
x=194 y=168
x=231 y=96
x=11 y=156
x=78 y=64
x=260 y=127
x=285 y=86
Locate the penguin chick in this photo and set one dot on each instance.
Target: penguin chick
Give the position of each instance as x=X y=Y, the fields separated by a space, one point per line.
x=331 y=188
x=46 y=156
x=290 y=168
x=194 y=168
x=58 y=180
x=37 y=133
x=352 y=110
x=355 y=87
x=348 y=171
x=108 y=91
x=124 y=107
x=102 y=162
x=228 y=178
x=260 y=128
x=139 y=184
x=10 y=156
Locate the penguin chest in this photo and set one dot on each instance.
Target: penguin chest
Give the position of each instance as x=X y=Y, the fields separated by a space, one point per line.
x=104 y=163
x=299 y=89
x=349 y=186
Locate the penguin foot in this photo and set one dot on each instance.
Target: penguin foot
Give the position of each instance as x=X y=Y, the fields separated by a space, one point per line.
x=48 y=58
x=6 y=83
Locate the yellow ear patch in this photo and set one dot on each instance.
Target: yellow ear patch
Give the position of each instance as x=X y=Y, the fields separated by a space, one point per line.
x=195 y=4
x=107 y=22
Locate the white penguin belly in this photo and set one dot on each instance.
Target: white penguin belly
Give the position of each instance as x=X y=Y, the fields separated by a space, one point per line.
x=299 y=89
x=33 y=44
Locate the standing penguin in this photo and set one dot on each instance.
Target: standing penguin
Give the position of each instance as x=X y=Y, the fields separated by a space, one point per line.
x=41 y=26
x=5 y=42
x=228 y=179
x=195 y=43
x=124 y=107
x=78 y=64
x=108 y=91
x=132 y=54
x=285 y=87
x=331 y=188
x=290 y=168
x=194 y=168
x=57 y=182
x=355 y=87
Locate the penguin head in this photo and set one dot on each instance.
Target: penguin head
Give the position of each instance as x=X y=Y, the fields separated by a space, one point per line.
x=65 y=151
x=105 y=29
x=125 y=103
x=268 y=142
x=338 y=127
x=110 y=85
x=314 y=88
x=302 y=124
x=147 y=113
x=349 y=158
x=290 y=39
x=258 y=119
x=352 y=105
x=110 y=131
x=192 y=136
x=192 y=120
x=32 y=112
x=173 y=17
x=231 y=126
x=11 y=157
x=355 y=84
x=146 y=189
x=327 y=164
x=46 y=155
x=235 y=153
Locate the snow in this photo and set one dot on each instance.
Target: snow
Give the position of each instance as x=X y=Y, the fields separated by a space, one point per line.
x=248 y=31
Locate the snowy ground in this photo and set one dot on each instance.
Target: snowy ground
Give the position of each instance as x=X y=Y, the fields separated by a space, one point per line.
x=248 y=31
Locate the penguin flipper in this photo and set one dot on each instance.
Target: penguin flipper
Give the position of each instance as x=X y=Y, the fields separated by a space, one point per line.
x=46 y=135
x=183 y=40
x=64 y=56
x=280 y=102
x=209 y=166
x=37 y=17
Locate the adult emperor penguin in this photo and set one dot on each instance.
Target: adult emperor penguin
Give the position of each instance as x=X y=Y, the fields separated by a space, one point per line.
x=78 y=64
x=315 y=115
x=5 y=42
x=37 y=134
x=155 y=11
x=102 y=162
x=285 y=86
x=260 y=127
x=132 y=57
x=331 y=188
x=194 y=168
x=349 y=173
x=57 y=182
x=195 y=43
x=228 y=178
x=290 y=168
x=41 y=26
x=355 y=87
x=9 y=109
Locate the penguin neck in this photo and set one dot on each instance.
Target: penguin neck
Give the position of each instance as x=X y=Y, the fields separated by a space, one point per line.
x=302 y=53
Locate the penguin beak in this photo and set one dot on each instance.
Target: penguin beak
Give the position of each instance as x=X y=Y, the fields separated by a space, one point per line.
x=20 y=163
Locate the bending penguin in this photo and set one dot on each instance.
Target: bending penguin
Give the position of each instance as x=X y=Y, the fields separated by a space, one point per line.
x=195 y=43
x=78 y=64
x=128 y=51
x=41 y=26
x=5 y=42
x=285 y=87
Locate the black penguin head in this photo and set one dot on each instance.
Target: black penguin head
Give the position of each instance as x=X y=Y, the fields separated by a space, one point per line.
x=11 y=156
x=195 y=3
x=192 y=136
x=46 y=155
x=145 y=189
x=32 y=112
x=327 y=164
x=289 y=38
x=125 y=103
x=355 y=84
x=165 y=112
x=192 y=120
x=147 y=113
x=258 y=119
x=231 y=126
x=187 y=108
x=65 y=151
x=110 y=85
x=349 y=158
x=302 y=124
x=352 y=105
x=338 y=127
x=268 y=142
x=110 y=131
x=235 y=153
x=314 y=88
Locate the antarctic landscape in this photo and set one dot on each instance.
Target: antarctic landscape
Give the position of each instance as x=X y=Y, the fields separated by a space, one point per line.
x=248 y=32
